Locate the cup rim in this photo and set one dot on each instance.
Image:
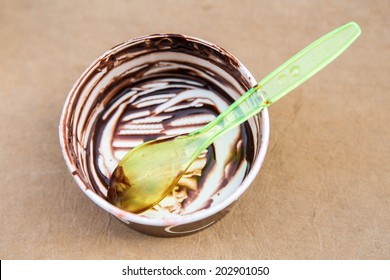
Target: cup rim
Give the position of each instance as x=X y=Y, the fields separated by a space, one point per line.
x=129 y=217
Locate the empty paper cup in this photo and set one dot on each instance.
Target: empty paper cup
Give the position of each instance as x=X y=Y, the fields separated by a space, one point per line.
x=153 y=87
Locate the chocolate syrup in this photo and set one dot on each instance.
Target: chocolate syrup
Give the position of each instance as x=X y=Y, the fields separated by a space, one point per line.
x=172 y=100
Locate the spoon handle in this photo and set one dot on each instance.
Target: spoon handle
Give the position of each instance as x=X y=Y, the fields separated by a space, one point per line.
x=281 y=81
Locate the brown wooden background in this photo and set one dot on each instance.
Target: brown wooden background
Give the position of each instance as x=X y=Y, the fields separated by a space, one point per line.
x=323 y=191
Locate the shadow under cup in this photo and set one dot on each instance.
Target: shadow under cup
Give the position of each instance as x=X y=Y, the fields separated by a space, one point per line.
x=158 y=86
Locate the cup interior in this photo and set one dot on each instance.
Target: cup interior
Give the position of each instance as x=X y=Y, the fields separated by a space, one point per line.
x=159 y=86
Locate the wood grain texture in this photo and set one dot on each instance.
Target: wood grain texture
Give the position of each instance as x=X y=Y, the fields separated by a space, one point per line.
x=323 y=191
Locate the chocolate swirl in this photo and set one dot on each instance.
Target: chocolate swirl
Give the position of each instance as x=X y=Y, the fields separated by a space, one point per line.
x=168 y=100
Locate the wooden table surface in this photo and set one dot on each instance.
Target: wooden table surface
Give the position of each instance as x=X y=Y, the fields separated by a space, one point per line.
x=323 y=191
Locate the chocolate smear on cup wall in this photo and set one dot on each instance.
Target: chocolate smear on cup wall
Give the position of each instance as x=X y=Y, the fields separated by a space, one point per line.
x=164 y=93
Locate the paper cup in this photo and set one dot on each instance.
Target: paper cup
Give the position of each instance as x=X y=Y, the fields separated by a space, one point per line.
x=158 y=86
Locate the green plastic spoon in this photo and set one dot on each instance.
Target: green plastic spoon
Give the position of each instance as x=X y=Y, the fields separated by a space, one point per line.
x=149 y=171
